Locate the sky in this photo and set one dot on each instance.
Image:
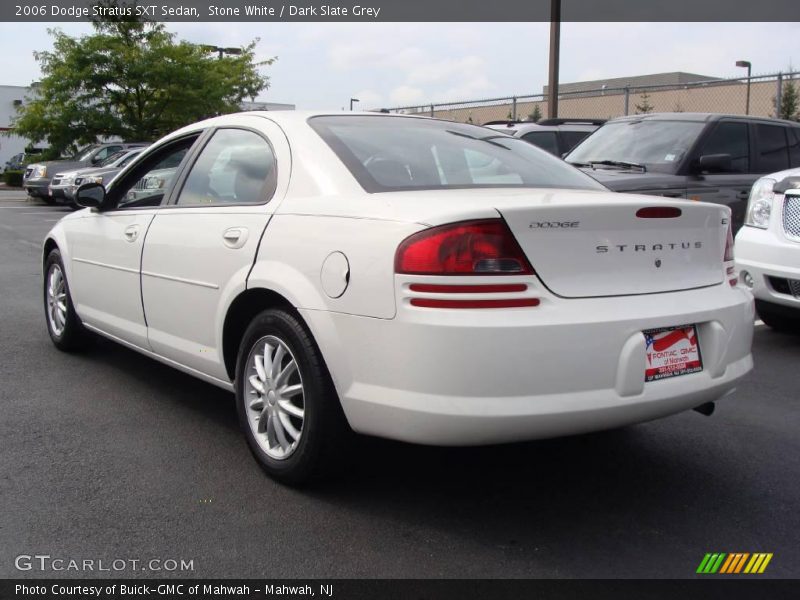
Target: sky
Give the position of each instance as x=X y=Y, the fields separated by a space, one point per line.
x=323 y=65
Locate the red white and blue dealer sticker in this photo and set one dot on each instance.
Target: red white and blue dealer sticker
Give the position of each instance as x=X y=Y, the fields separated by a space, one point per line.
x=671 y=351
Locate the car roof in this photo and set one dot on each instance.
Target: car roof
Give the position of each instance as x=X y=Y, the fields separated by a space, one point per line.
x=291 y=119
x=699 y=117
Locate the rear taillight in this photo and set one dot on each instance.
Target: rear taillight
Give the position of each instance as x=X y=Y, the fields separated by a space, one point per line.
x=729 y=245
x=468 y=248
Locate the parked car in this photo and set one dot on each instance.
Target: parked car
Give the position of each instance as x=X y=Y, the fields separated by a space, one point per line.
x=18 y=161
x=14 y=163
x=402 y=277
x=557 y=136
x=700 y=156
x=37 y=177
x=63 y=185
x=768 y=249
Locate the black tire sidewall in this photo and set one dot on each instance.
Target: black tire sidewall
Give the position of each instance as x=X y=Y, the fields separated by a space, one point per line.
x=321 y=421
x=74 y=335
x=777 y=318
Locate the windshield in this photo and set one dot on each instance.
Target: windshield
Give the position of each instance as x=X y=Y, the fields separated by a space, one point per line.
x=658 y=145
x=112 y=159
x=83 y=154
x=405 y=153
x=129 y=158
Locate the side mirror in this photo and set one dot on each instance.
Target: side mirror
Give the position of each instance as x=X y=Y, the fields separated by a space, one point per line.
x=90 y=195
x=715 y=163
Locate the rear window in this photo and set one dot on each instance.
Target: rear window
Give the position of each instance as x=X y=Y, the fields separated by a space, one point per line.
x=387 y=154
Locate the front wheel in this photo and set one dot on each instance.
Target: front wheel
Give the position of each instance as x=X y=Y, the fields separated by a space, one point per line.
x=286 y=401
x=63 y=324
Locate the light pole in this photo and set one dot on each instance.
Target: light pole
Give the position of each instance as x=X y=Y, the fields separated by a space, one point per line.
x=746 y=64
x=353 y=100
x=234 y=51
x=555 y=44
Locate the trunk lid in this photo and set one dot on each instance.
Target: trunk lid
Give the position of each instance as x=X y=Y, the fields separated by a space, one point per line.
x=584 y=246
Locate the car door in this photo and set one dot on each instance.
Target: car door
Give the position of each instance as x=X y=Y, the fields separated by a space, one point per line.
x=731 y=187
x=201 y=247
x=106 y=247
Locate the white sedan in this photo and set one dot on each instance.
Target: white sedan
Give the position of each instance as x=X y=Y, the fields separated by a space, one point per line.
x=402 y=277
x=768 y=249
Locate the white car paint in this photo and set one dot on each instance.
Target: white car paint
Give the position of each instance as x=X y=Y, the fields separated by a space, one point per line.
x=771 y=251
x=573 y=363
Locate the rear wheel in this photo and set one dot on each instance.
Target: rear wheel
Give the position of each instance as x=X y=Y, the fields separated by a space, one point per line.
x=63 y=325
x=779 y=317
x=287 y=404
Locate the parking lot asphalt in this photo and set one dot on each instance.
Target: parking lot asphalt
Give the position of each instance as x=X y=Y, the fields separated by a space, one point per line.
x=110 y=455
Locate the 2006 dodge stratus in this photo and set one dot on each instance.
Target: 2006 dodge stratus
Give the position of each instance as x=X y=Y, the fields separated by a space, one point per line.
x=402 y=277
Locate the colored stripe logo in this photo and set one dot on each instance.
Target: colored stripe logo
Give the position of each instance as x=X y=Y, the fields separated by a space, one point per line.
x=734 y=563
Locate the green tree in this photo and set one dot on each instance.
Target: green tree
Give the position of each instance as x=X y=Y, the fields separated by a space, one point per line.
x=790 y=101
x=132 y=79
x=645 y=106
x=536 y=114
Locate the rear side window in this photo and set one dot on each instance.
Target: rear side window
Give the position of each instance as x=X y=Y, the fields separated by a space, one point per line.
x=773 y=148
x=388 y=154
x=236 y=166
x=546 y=140
x=730 y=138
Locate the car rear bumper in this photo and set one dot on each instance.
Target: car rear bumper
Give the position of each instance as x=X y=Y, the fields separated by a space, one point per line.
x=471 y=377
x=772 y=261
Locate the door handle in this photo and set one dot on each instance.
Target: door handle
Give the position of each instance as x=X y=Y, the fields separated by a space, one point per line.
x=235 y=237
x=131 y=232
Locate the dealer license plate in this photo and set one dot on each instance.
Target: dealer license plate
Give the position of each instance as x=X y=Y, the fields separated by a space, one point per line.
x=671 y=352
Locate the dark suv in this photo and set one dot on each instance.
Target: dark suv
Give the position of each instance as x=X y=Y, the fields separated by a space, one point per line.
x=700 y=156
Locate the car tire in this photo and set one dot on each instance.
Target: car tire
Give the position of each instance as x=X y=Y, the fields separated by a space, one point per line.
x=63 y=324
x=294 y=423
x=779 y=318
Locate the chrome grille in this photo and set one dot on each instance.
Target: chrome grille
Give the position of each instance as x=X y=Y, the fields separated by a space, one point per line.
x=791 y=216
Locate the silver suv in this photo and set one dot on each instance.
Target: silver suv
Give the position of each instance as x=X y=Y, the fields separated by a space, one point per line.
x=557 y=136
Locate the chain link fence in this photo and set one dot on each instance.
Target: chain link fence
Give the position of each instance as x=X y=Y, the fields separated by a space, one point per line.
x=764 y=95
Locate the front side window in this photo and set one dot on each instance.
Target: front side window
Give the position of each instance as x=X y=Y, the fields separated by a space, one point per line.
x=148 y=183
x=235 y=167
x=794 y=146
x=571 y=139
x=730 y=138
x=655 y=144
x=546 y=140
x=387 y=154
x=773 y=150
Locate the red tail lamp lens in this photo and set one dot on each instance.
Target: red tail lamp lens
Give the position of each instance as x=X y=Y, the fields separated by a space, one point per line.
x=468 y=248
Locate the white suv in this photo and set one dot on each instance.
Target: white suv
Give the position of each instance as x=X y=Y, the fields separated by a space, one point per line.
x=556 y=136
x=768 y=249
